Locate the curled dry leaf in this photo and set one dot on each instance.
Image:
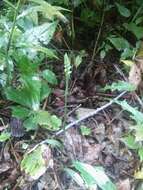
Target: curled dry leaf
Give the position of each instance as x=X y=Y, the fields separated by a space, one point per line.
x=135 y=75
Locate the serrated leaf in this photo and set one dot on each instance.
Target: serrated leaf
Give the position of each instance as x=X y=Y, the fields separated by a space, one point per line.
x=120 y=86
x=36 y=162
x=45 y=119
x=123 y=10
x=49 y=76
x=30 y=124
x=96 y=174
x=4 y=136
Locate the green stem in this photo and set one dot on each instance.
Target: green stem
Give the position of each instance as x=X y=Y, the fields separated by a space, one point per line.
x=66 y=98
x=9 y=44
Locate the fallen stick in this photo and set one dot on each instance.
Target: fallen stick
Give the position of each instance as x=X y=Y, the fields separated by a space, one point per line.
x=90 y=114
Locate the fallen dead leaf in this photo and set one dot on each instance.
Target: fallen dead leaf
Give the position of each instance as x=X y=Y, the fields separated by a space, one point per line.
x=135 y=75
x=124 y=185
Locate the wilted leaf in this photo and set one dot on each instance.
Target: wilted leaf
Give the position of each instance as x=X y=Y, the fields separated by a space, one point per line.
x=124 y=185
x=128 y=62
x=135 y=75
x=139 y=174
x=36 y=162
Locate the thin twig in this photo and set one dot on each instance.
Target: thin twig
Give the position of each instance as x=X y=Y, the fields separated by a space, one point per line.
x=90 y=114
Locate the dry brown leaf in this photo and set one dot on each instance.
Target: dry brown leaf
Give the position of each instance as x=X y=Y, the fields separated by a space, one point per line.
x=124 y=185
x=135 y=75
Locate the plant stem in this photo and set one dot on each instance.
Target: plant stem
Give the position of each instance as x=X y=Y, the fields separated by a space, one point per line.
x=9 y=44
x=66 y=98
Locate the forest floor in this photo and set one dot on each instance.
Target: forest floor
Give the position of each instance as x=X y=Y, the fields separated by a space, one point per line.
x=102 y=146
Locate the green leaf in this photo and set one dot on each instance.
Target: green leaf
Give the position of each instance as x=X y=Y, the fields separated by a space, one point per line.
x=136 y=30
x=49 y=11
x=94 y=175
x=119 y=43
x=30 y=124
x=54 y=143
x=49 y=76
x=123 y=10
x=39 y=34
x=75 y=176
x=4 y=136
x=45 y=119
x=135 y=114
x=20 y=112
x=85 y=130
x=130 y=142
x=78 y=61
x=36 y=162
x=28 y=95
x=140 y=153
x=121 y=86
x=67 y=65
x=45 y=90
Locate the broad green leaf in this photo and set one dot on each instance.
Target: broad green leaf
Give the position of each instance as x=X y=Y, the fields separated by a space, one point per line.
x=45 y=119
x=36 y=162
x=20 y=112
x=30 y=124
x=123 y=10
x=136 y=30
x=140 y=153
x=49 y=76
x=49 y=11
x=39 y=34
x=4 y=136
x=119 y=43
x=45 y=90
x=121 y=86
x=75 y=176
x=96 y=174
x=130 y=142
x=28 y=95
